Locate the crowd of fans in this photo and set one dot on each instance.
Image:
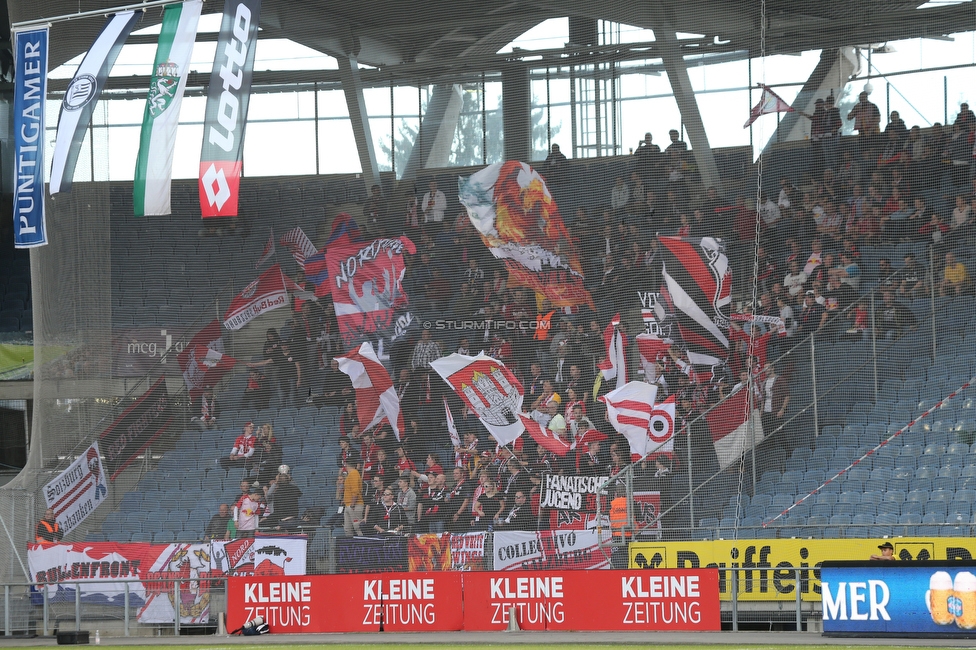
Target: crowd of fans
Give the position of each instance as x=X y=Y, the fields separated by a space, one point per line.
x=878 y=189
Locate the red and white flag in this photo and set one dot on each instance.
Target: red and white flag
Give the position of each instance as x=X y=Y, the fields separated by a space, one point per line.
x=660 y=430
x=651 y=349
x=206 y=367
x=770 y=102
x=263 y=295
x=294 y=288
x=376 y=397
x=615 y=365
x=629 y=410
x=299 y=245
x=735 y=427
x=203 y=361
x=489 y=389
x=545 y=437
x=451 y=427
x=269 y=251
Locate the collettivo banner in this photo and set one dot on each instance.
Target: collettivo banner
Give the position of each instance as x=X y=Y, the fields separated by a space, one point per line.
x=226 y=115
x=30 y=93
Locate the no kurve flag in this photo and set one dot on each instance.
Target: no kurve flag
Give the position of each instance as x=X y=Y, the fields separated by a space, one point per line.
x=376 y=397
x=82 y=94
x=154 y=164
x=770 y=102
x=30 y=91
x=226 y=114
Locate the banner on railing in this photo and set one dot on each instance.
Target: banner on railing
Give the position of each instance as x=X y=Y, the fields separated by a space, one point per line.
x=429 y=552
x=261 y=556
x=105 y=565
x=558 y=600
x=468 y=552
x=550 y=549
x=371 y=555
x=770 y=579
x=78 y=490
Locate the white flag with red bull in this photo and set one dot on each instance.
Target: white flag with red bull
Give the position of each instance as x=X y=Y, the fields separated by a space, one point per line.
x=376 y=397
x=489 y=389
x=615 y=365
x=264 y=294
x=629 y=411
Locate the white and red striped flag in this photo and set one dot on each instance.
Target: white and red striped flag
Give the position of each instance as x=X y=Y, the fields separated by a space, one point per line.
x=376 y=397
x=269 y=251
x=660 y=430
x=299 y=245
x=545 y=437
x=629 y=410
x=203 y=361
x=615 y=365
x=451 y=427
x=770 y=102
x=651 y=349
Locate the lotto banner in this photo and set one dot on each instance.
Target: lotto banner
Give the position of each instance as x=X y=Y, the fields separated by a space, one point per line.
x=103 y=565
x=663 y=601
x=904 y=598
x=419 y=602
x=768 y=577
x=543 y=550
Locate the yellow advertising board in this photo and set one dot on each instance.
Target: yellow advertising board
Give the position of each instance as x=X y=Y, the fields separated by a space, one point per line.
x=768 y=560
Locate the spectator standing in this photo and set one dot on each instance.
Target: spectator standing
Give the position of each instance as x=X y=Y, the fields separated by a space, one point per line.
x=217 y=526
x=433 y=205
x=352 y=499
x=425 y=351
x=48 y=530
x=407 y=498
x=250 y=513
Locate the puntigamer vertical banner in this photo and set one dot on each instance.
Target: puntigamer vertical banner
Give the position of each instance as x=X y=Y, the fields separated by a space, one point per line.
x=30 y=92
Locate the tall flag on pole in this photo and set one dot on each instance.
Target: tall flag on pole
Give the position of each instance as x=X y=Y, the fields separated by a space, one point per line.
x=511 y=207
x=268 y=252
x=615 y=365
x=300 y=246
x=697 y=290
x=30 y=93
x=489 y=389
x=451 y=427
x=154 y=164
x=82 y=94
x=226 y=114
x=770 y=102
x=376 y=396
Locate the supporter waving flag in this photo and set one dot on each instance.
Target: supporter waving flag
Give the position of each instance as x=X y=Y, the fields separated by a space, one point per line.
x=545 y=437
x=697 y=287
x=629 y=411
x=615 y=365
x=376 y=397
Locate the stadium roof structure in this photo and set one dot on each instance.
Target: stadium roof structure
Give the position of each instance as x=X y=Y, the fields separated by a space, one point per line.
x=440 y=38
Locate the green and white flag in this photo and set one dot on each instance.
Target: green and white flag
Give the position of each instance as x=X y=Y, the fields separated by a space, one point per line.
x=154 y=166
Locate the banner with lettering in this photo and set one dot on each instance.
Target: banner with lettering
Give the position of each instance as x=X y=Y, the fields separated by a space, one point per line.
x=551 y=549
x=137 y=427
x=228 y=96
x=429 y=552
x=103 y=566
x=366 y=281
x=262 y=555
x=371 y=554
x=30 y=94
x=511 y=207
x=77 y=491
x=468 y=552
x=570 y=502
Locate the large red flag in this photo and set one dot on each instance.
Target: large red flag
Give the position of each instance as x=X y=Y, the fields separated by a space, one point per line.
x=264 y=294
x=203 y=361
x=545 y=437
x=376 y=397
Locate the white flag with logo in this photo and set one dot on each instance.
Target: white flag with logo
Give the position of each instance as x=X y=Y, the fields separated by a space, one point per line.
x=82 y=94
x=154 y=164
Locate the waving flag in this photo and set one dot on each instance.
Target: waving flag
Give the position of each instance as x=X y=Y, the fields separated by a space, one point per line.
x=154 y=163
x=367 y=286
x=269 y=251
x=629 y=410
x=451 y=427
x=651 y=349
x=82 y=94
x=208 y=338
x=545 y=437
x=510 y=205
x=266 y=293
x=697 y=291
x=489 y=389
x=205 y=368
x=299 y=245
x=660 y=429
x=615 y=365
x=228 y=96
x=770 y=102
x=376 y=397
x=734 y=427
